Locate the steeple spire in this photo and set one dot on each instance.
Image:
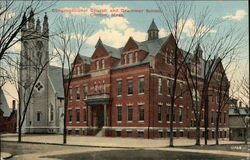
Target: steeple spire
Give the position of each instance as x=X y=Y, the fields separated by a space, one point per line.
x=198 y=51
x=153 y=31
x=38 y=26
x=45 y=25
x=31 y=20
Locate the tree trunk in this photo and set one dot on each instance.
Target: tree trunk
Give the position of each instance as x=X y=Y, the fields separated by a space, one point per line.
x=171 y=140
x=19 y=133
x=64 y=122
x=206 y=113
x=217 y=128
x=198 y=143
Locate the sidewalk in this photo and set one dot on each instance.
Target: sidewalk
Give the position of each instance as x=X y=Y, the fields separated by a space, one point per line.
x=109 y=141
x=5 y=155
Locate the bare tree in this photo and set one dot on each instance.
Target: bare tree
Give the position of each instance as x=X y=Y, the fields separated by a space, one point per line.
x=68 y=42
x=13 y=16
x=176 y=16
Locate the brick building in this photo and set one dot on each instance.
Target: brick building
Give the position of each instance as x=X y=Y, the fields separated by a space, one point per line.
x=126 y=92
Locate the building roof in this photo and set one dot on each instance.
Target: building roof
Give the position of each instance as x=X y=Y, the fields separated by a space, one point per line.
x=4 y=105
x=153 y=26
x=114 y=52
x=236 y=111
x=85 y=59
x=55 y=76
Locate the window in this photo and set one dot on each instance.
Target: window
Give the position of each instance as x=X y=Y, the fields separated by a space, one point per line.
x=103 y=64
x=169 y=89
x=225 y=116
x=125 y=59
x=181 y=90
x=119 y=113
x=168 y=113
x=141 y=85
x=78 y=70
x=160 y=134
x=77 y=115
x=130 y=86
x=141 y=134
x=70 y=115
x=159 y=112
x=70 y=94
x=174 y=114
x=130 y=113
x=84 y=115
x=118 y=133
x=141 y=112
x=129 y=133
x=212 y=117
x=38 y=116
x=160 y=86
x=181 y=134
x=77 y=93
x=180 y=115
x=119 y=87
x=97 y=65
x=76 y=132
x=85 y=92
x=130 y=58
x=69 y=132
x=51 y=112
x=136 y=56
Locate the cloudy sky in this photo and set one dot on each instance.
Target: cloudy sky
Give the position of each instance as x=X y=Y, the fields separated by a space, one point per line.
x=115 y=31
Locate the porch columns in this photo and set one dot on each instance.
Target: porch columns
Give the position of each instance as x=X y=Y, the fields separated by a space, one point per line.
x=90 y=117
x=105 y=114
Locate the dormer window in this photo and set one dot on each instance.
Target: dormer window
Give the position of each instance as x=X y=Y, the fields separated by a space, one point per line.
x=103 y=64
x=97 y=65
x=130 y=58
x=136 y=56
x=125 y=59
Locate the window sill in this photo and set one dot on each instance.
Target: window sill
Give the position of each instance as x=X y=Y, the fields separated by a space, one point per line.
x=140 y=93
x=118 y=121
x=168 y=121
x=119 y=96
x=77 y=99
x=130 y=95
x=129 y=121
x=70 y=122
x=141 y=121
x=159 y=121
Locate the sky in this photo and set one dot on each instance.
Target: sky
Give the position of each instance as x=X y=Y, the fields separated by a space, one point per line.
x=116 y=30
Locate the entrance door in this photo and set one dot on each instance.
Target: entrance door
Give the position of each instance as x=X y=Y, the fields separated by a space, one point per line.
x=100 y=117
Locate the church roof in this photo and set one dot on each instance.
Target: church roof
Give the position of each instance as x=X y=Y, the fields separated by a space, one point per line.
x=153 y=26
x=55 y=76
x=4 y=105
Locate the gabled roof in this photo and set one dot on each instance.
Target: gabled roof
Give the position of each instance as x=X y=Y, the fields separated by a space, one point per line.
x=236 y=111
x=153 y=26
x=55 y=76
x=4 y=105
x=85 y=59
x=114 y=52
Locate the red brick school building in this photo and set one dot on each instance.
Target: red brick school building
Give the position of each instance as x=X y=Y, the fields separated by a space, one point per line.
x=125 y=92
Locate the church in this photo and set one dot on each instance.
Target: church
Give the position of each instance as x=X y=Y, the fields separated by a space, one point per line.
x=45 y=110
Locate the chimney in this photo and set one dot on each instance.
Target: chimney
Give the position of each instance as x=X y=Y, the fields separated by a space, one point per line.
x=13 y=105
x=240 y=104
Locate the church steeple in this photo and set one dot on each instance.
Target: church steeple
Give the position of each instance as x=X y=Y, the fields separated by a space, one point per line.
x=198 y=51
x=45 y=25
x=31 y=20
x=38 y=26
x=153 y=31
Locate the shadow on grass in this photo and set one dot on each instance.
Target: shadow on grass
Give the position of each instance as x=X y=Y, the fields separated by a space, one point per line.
x=143 y=155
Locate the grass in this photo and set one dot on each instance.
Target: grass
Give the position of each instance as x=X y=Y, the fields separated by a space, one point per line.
x=143 y=155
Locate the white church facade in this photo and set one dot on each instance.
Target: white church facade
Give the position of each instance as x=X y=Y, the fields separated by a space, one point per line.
x=45 y=110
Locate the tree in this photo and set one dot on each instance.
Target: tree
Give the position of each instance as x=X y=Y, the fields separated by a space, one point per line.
x=13 y=16
x=177 y=17
x=68 y=42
